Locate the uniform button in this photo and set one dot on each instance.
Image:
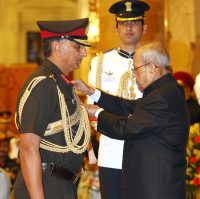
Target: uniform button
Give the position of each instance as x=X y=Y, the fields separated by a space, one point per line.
x=129 y=116
x=73 y=101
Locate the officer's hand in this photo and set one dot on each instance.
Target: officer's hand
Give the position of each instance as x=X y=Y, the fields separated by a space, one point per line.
x=91 y=109
x=83 y=87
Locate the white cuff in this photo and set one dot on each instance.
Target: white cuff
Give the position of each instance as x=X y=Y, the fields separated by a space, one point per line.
x=96 y=95
x=97 y=112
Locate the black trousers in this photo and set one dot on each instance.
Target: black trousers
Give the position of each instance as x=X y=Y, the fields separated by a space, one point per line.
x=110 y=183
x=54 y=188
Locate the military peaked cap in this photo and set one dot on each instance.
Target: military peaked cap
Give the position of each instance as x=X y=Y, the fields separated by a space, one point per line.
x=129 y=10
x=75 y=30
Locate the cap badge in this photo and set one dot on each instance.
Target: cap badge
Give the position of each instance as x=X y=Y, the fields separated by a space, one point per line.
x=128 y=6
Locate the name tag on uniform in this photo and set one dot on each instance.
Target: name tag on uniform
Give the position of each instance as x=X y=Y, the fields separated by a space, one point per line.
x=108 y=76
x=108 y=79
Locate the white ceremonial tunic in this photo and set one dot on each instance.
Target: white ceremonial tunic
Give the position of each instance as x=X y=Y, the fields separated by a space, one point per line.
x=113 y=67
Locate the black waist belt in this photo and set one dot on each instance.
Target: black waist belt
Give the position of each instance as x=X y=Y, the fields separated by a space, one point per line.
x=61 y=172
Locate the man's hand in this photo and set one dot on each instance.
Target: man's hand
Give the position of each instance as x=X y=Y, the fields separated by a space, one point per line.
x=91 y=109
x=83 y=87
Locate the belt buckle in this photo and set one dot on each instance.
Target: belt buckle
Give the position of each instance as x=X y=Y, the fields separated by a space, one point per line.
x=44 y=167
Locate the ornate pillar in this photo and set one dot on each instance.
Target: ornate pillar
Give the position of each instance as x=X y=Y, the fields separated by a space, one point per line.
x=180 y=24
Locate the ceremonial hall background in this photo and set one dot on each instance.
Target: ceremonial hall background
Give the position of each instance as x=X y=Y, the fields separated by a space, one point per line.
x=173 y=22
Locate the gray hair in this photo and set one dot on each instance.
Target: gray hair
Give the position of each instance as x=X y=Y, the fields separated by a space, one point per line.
x=47 y=48
x=155 y=53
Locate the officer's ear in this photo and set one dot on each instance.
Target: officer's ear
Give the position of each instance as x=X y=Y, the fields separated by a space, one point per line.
x=144 y=29
x=116 y=28
x=56 y=47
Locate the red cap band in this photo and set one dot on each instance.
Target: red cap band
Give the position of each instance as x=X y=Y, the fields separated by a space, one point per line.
x=77 y=33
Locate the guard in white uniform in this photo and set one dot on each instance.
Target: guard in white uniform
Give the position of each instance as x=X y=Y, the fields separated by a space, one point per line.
x=115 y=78
x=111 y=72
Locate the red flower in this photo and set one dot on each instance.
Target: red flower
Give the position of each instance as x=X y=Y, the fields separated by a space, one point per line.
x=197 y=139
x=193 y=159
x=198 y=169
x=195 y=182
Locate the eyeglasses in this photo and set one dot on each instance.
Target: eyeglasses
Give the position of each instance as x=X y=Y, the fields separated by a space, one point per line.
x=169 y=67
x=137 y=67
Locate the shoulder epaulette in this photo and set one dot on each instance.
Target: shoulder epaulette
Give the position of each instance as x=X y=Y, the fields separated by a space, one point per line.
x=109 y=50
x=104 y=51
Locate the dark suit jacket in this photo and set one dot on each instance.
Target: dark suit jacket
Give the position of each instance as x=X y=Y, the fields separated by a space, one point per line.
x=155 y=134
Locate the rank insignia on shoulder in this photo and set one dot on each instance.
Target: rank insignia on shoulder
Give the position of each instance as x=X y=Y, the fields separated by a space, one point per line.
x=52 y=77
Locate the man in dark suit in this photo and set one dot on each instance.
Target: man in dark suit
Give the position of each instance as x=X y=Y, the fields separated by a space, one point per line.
x=155 y=128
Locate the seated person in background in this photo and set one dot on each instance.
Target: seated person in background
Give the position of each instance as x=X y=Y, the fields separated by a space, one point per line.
x=4 y=185
x=10 y=166
x=185 y=80
x=197 y=87
x=5 y=124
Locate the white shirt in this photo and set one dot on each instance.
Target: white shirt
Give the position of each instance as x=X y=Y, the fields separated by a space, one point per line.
x=113 y=67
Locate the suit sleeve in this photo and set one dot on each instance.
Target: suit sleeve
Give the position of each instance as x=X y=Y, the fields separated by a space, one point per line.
x=148 y=117
x=116 y=105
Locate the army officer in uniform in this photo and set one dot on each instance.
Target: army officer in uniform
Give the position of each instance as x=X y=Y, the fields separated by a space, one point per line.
x=53 y=126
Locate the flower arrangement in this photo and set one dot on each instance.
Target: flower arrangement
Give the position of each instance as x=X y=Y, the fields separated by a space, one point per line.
x=193 y=159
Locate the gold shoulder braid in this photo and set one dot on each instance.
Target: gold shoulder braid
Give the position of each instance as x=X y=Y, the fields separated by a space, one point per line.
x=123 y=85
x=79 y=117
x=99 y=70
x=123 y=90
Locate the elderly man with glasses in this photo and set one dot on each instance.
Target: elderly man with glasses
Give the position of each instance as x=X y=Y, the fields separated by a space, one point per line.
x=110 y=72
x=155 y=127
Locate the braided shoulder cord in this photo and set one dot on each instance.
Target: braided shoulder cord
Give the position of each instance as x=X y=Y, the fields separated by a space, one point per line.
x=123 y=86
x=123 y=89
x=99 y=70
x=82 y=121
x=26 y=94
x=84 y=128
